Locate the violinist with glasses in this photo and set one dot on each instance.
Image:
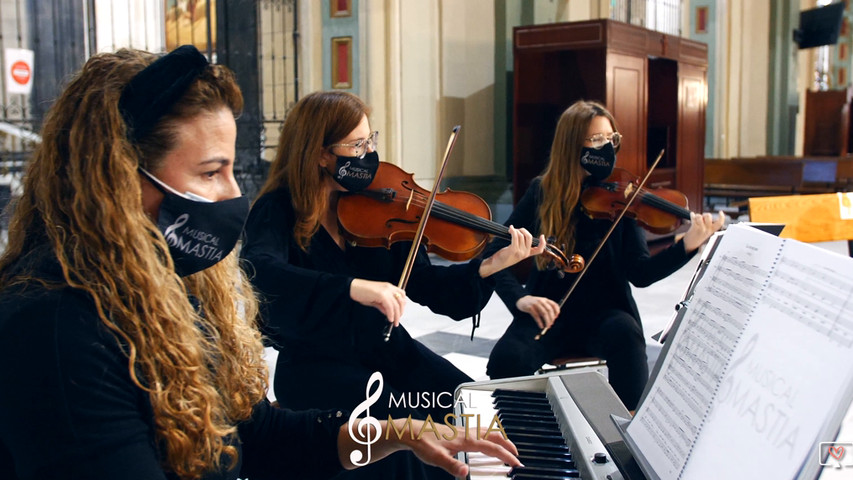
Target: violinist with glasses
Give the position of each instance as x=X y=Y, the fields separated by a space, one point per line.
x=327 y=301
x=600 y=317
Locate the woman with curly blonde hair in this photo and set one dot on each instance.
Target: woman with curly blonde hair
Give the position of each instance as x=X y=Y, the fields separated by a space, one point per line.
x=130 y=326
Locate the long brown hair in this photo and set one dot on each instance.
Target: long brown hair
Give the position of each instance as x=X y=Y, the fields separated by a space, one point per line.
x=82 y=198
x=564 y=175
x=315 y=122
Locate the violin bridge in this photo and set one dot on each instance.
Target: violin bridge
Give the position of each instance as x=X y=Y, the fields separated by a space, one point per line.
x=409 y=202
x=629 y=190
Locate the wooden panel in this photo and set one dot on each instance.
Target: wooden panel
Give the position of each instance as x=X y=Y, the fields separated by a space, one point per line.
x=808 y=218
x=693 y=52
x=627 y=38
x=545 y=84
x=825 y=126
x=753 y=172
x=560 y=35
x=662 y=117
x=844 y=174
x=626 y=100
x=691 y=133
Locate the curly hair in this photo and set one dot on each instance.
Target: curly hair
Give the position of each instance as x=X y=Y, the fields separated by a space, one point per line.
x=203 y=373
x=563 y=177
x=316 y=121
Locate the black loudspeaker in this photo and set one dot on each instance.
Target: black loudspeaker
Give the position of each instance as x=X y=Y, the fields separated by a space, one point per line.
x=819 y=26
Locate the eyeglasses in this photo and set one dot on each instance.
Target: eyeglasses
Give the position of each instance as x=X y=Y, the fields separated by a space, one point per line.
x=600 y=139
x=360 y=147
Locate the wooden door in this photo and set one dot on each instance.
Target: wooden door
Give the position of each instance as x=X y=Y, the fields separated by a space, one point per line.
x=626 y=100
x=692 y=100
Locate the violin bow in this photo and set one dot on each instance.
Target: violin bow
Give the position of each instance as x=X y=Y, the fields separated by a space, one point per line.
x=603 y=240
x=416 y=242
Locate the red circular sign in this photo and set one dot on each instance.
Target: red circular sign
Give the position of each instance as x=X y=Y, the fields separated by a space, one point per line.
x=21 y=72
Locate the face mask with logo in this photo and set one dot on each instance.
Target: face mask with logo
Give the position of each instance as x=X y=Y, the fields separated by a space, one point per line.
x=354 y=173
x=199 y=231
x=599 y=162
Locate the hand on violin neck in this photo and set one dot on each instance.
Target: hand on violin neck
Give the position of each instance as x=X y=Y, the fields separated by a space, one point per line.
x=519 y=248
x=385 y=297
x=702 y=226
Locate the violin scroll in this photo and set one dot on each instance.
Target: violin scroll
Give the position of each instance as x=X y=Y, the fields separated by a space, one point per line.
x=557 y=260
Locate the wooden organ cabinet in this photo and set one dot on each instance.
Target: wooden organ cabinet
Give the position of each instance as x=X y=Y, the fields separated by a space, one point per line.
x=653 y=84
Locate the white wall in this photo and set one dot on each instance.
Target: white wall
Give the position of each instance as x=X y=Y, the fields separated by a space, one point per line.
x=745 y=93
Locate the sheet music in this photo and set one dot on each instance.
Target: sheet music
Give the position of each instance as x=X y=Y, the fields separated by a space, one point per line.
x=747 y=377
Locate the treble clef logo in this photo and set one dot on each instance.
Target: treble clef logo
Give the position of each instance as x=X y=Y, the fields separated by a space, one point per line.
x=364 y=430
x=171 y=238
x=342 y=172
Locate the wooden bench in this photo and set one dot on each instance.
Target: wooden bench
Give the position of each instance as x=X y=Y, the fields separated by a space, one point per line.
x=742 y=178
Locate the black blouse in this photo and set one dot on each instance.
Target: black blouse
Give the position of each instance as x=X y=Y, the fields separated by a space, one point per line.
x=68 y=408
x=624 y=259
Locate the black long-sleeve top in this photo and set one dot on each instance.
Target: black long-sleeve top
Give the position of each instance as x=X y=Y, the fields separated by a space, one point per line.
x=68 y=407
x=305 y=295
x=622 y=261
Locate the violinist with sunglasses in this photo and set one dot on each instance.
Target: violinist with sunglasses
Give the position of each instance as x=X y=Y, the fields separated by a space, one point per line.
x=600 y=317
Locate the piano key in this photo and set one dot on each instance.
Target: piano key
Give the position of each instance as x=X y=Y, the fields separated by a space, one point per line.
x=543 y=448
x=510 y=404
x=543 y=436
x=527 y=419
x=525 y=400
x=519 y=393
x=535 y=438
x=506 y=410
x=548 y=463
x=540 y=472
x=551 y=454
x=523 y=476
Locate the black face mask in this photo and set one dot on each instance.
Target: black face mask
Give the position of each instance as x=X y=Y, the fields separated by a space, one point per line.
x=199 y=232
x=599 y=162
x=354 y=173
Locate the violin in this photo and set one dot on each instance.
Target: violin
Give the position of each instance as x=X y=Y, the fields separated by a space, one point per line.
x=458 y=228
x=658 y=210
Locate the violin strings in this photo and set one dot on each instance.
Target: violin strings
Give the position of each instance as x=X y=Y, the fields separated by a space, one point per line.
x=665 y=205
x=450 y=213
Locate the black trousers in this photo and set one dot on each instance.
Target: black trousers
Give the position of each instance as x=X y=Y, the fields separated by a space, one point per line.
x=412 y=386
x=613 y=335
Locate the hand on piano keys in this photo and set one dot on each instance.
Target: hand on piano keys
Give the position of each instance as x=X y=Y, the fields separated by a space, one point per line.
x=443 y=453
x=530 y=424
x=553 y=437
x=435 y=444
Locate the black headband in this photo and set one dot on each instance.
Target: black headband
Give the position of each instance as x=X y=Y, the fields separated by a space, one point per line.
x=152 y=92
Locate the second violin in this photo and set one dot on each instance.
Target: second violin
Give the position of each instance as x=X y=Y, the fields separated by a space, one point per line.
x=658 y=210
x=459 y=227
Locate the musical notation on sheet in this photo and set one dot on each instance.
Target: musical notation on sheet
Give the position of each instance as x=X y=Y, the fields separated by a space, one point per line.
x=745 y=376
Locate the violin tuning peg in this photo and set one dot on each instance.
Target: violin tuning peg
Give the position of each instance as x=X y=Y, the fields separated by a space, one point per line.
x=551 y=239
x=560 y=274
